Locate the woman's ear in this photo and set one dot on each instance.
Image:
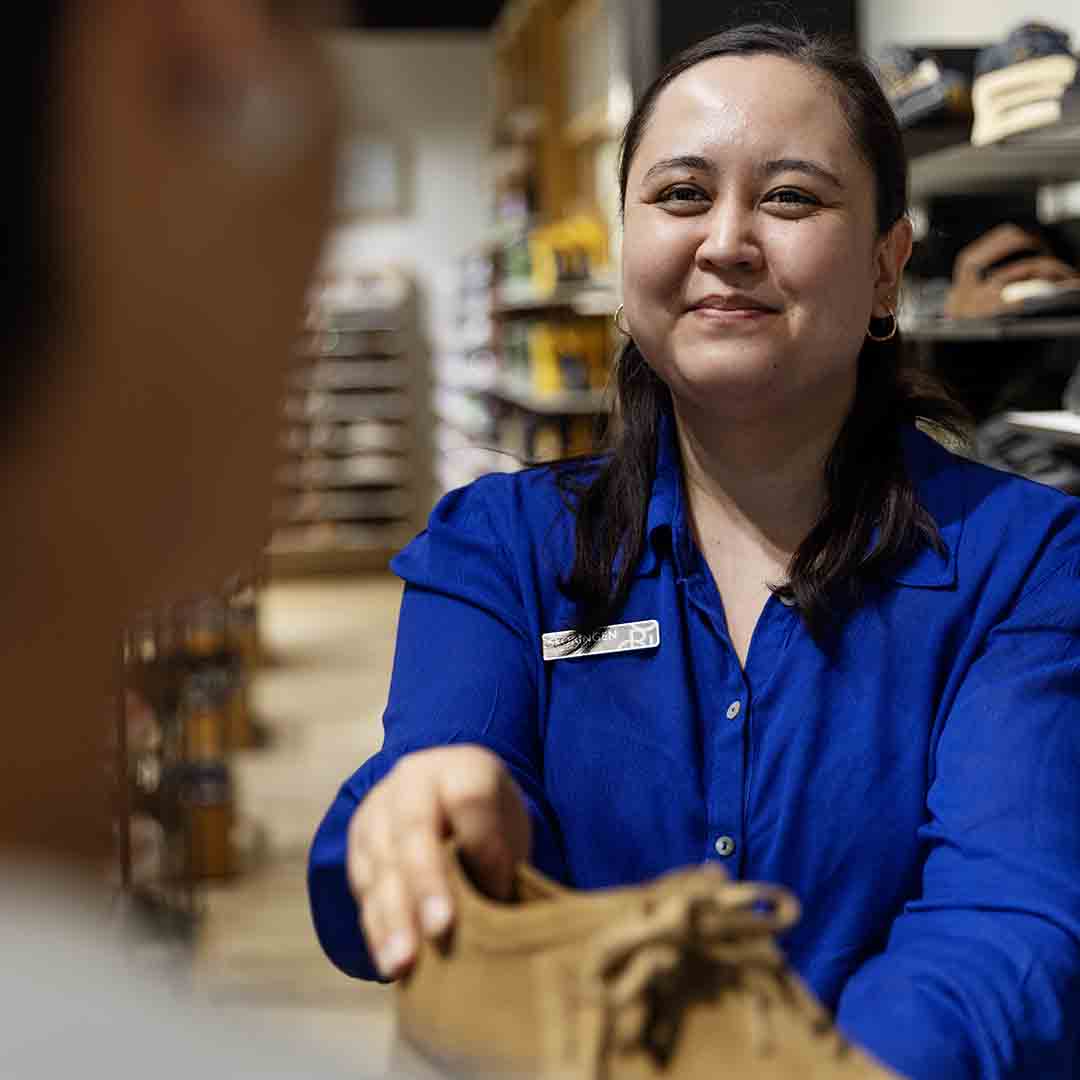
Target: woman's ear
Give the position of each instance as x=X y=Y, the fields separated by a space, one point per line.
x=894 y=250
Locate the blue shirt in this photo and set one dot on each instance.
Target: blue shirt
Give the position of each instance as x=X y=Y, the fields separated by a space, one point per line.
x=917 y=785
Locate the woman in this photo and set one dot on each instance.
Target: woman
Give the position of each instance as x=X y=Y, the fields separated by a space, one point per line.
x=861 y=683
x=169 y=174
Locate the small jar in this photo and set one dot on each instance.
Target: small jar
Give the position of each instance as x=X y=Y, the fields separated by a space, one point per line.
x=209 y=814
x=204 y=718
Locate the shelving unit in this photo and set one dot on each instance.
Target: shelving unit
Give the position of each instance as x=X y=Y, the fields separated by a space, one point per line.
x=1043 y=161
x=523 y=380
x=595 y=298
x=347 y=495
x=1061 y=426
x=1005 y=328
x=570 y=403
x=183 y=708
x=1048 y=156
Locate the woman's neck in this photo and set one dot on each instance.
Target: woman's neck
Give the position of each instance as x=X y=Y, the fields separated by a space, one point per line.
x=754 y=486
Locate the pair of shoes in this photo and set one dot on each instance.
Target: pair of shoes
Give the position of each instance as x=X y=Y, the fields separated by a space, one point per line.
x=678 y=978
x=1020 y=82
x=920 y=89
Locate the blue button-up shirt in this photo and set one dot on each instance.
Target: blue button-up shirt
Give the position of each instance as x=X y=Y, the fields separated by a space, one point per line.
x=916 y=783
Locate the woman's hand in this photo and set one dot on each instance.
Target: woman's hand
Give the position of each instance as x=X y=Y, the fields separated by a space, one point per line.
x=1003 y=255
x=396 y=863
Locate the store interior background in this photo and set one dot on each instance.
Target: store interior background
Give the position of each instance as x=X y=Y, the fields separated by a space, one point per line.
x=425 y=96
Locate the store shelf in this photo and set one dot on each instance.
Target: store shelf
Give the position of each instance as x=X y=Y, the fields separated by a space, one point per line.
x=351 y=375
x=338 y=536
x=318 y=407
x=344 y=341
x=1063 y=427
x=570 y=403
x=581 y=299
x=1047 y=156
x=347 y=494
x=369 y=436
x=344 y=472
x=335 y=506
x=999 y=329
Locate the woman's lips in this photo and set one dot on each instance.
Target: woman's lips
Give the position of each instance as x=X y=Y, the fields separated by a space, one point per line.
x=731 y=315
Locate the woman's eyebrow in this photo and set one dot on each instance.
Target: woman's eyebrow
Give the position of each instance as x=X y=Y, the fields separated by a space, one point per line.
x=769 y=169
x=811 y=168
x=683 y=161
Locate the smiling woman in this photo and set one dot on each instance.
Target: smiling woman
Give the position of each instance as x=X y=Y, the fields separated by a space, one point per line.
x=763 y=183
x=860 y=675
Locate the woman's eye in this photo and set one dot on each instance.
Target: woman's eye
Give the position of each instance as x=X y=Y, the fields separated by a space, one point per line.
x=682 y=193
x=791 y=197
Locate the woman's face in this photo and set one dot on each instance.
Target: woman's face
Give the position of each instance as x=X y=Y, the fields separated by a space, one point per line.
x=751 y=257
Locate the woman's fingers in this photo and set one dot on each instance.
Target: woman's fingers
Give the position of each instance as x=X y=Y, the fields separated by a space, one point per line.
x=388 y=923
x=487 y=816
x=419 y=827
x=396 y=860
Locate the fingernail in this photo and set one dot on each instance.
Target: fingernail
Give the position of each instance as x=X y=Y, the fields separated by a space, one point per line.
x=396 y=952
x=435 y=915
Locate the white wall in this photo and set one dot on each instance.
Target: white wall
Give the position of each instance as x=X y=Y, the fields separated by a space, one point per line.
x=431 y=93
x=957 y=22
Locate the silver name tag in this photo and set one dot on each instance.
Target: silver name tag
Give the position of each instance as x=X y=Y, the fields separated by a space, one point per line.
x=623 y=637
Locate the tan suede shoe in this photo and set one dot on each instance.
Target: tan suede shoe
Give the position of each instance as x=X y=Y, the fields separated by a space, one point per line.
x=679 y=978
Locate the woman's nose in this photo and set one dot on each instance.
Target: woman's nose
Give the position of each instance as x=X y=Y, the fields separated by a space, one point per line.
x=730 y=241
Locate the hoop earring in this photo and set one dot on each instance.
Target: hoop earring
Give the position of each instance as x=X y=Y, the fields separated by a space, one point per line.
x=892 y=330
x=624 y=330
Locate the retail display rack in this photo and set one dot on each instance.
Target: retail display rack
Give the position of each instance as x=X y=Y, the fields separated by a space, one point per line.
x=347 y=493
x=523 y=377
x=1045 y=162
x=182 y=710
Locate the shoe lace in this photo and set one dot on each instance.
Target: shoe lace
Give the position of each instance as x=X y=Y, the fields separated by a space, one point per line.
x=691 y=946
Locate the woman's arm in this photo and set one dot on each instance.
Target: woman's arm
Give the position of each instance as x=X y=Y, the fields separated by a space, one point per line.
x=980 y=977
x=465 y=672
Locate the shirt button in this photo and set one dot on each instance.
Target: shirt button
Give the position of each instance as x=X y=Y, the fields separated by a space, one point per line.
x=725 y=846
x=733 y=710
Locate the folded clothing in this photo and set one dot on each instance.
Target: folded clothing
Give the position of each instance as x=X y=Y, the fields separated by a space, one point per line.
x=1020 y=82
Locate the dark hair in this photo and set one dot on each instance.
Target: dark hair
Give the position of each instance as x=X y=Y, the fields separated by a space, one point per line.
x=867 y=485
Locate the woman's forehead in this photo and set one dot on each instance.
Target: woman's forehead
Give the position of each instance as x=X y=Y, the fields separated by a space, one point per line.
x=758 y=104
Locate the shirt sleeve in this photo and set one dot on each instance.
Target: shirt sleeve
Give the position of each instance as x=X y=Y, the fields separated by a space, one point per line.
x=465 y=671
x=980 y=976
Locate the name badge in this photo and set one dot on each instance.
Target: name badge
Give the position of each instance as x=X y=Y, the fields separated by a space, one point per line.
x=623 y=637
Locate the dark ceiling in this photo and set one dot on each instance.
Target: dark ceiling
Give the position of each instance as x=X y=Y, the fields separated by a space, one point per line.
x=421 y=15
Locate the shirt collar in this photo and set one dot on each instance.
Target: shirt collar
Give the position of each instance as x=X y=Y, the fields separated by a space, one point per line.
x=928 y=466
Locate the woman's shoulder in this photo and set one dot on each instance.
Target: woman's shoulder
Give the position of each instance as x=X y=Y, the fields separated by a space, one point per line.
x=534 y=495
x=524 y=517
x=1004 y=519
